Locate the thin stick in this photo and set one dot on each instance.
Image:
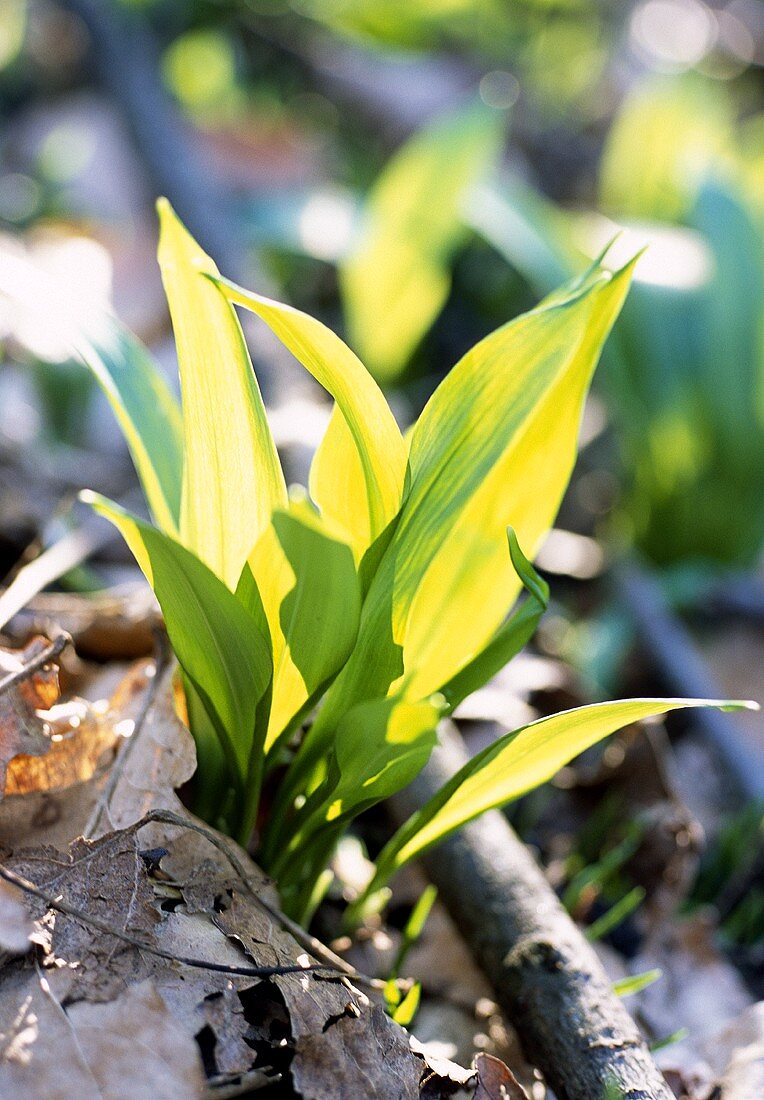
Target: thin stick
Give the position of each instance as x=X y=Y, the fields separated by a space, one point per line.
x=55 y=649
x=316 y=948
x=62 y=906
x=670 y=648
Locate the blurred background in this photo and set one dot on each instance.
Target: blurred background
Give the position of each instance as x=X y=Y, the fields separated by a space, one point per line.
x=416 y=173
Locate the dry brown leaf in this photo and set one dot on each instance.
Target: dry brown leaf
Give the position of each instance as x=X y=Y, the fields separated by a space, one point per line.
x=80 y=745
x=105 y=879
x=357 y=1056
x=155 y=760
x=130 y=1046
x=49 y=791
x=496 y=1080
x=134 y=1047
x=15 y=922
x=316 y=1025
x=22 y=730
x=117 y=623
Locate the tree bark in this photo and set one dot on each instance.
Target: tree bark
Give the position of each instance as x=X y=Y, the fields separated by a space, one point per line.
x=545 y=974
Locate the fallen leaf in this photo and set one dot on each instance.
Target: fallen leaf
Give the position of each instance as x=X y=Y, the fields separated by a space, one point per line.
x=496 y=1081
x=116 y=623
x=105 y=880
x=157 y=756
x=22 y=730
x=314 y=1024
x=130 y=1046
x=357 y=1056
x=80 y=744
x=15 y=921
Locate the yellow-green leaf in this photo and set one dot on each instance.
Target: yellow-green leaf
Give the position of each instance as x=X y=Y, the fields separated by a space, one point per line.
x=511 y=636
x=686 y=122
x=493 y=448
x=515 y=764
x=311 y=597
x=216 y=641
x=359 y=472
x=396 y=279
x=232 y=479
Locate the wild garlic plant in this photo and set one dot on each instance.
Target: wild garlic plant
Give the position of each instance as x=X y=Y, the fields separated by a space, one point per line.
x=321 y=635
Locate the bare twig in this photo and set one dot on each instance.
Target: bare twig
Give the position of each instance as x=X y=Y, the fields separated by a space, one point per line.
x=70 y=551
x=55 y=649
x=316 y=948
x=61 y=906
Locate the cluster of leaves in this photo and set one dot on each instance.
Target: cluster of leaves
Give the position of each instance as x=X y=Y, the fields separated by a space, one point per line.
x=684 y=366
x=385 y=596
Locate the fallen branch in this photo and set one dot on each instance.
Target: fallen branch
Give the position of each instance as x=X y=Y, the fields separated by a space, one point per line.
x=546 y=976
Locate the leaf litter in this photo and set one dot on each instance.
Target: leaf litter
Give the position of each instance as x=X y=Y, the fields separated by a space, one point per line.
x=148 y=957
x=157 y=962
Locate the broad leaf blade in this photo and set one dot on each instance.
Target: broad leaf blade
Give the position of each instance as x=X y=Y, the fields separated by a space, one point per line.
x=396 y=279
x=217 y=643
x=141 y=400
x=312 y=601
x=232 y=477
x=509 y=638
x=515 y=764
x=686 y=123
x=379 y=747
x=359 y=473
x=493 y=448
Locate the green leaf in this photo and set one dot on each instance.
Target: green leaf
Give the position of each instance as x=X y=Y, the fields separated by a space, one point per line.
x=686 y=122
x=359 y=472
x=378 y=748
x=511 y=636
x=216 y=641
x=515 y=764
x=146 y=410
x=312 y=601
x=494 y=447
x=396 y=279
x=232 y=479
